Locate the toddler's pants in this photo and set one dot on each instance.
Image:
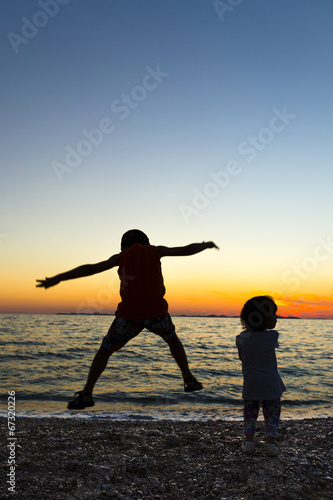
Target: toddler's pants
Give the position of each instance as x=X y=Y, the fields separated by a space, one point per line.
x=271 y=410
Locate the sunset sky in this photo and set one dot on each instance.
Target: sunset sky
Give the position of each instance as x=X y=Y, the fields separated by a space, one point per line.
x=191 y=120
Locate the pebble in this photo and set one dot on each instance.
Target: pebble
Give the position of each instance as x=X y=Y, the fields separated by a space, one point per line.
x=106 y=486
x=168 y=461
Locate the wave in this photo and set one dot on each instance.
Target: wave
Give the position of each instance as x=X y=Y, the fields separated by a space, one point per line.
x=45 y=361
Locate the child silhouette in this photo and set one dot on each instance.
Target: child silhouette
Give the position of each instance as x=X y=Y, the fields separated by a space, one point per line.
x=142 y=306
x=262 y=382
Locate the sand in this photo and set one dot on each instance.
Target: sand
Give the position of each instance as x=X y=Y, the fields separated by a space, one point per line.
x=103 y=458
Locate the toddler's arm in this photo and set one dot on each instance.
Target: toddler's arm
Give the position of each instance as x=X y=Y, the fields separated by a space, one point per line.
x=80 y=272
x=191 y=249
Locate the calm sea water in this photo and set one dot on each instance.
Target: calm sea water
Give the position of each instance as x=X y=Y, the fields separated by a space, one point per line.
x=46 y=358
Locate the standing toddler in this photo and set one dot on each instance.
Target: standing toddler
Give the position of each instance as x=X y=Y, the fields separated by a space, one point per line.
x=262 y=382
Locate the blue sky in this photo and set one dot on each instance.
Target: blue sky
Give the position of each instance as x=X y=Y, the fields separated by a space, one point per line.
x=183 y=92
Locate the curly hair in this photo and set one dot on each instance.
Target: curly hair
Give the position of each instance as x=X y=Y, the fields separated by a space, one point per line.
x=256 y=311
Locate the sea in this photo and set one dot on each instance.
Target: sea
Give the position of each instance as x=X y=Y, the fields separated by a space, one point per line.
x=45 y=358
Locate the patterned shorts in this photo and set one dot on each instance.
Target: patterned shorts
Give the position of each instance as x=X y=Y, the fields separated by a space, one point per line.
x=123 y=330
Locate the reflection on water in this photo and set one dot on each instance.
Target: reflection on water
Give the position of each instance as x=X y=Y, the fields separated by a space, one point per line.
x=46 y=359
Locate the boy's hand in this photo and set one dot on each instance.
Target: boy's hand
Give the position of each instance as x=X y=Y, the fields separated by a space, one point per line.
x=211 y=244
x=47 y=283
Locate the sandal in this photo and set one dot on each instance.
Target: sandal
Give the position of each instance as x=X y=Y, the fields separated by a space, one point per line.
x=79 y=403
x=191 y=384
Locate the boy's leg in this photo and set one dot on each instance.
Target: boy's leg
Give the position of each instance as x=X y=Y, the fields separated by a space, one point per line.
x=251 y=412
x=165 y=328
x=102 y=356
x=120 y=332
x=98 y=366
x=84 y=398
x=178 y=352
x=272 y=410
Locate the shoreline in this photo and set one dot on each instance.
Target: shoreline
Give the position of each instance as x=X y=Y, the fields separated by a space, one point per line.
x=138 y=415
x=59 y=458
x=132 y=411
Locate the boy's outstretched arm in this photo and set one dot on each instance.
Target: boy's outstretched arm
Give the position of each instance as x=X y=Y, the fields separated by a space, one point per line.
x=191 y=249
x=80 y=272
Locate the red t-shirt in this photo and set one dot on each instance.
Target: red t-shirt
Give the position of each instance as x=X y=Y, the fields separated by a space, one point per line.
x=141 y=284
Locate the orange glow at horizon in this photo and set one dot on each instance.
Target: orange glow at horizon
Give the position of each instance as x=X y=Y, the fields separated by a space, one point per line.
x=306 y=306
x=187 y=292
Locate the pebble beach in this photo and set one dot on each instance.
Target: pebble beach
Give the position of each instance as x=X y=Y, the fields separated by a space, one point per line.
x=166 y=460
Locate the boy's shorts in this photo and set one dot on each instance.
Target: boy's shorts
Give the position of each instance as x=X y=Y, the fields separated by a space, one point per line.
x=122 y=330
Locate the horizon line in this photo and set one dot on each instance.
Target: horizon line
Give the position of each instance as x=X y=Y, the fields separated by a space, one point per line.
x=173 y=315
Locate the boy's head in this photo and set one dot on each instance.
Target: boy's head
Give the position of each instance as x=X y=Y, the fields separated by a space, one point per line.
x=259 y=313
x=133 y=236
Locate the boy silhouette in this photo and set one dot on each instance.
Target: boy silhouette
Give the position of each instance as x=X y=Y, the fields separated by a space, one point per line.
x=142 y=306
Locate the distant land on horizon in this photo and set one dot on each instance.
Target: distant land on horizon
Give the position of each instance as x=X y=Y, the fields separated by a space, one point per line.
x=173 y=315
x=177 y=315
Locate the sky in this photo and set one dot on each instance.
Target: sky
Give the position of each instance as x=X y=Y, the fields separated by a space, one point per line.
x=191 y=120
